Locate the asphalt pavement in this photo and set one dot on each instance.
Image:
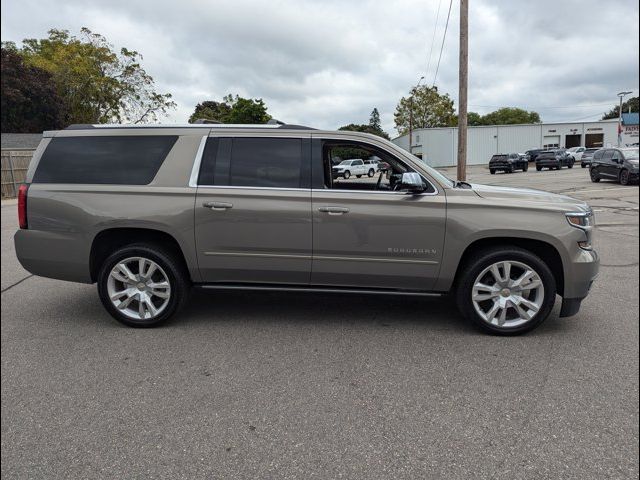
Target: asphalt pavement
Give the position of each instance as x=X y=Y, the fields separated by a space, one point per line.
x=294 y=385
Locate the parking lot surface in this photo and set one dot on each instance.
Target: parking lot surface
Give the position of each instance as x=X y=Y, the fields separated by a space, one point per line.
x=294 y=385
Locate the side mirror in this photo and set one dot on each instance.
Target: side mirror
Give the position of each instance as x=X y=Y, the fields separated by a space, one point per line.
x=412 y=182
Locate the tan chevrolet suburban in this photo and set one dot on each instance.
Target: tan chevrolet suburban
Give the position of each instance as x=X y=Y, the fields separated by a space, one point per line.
x=147 y=212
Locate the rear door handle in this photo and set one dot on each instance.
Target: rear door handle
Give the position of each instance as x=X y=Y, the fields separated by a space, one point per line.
x=218 y=205
x=334 y=210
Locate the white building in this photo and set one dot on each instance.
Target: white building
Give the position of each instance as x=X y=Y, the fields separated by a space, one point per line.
x=438 y=146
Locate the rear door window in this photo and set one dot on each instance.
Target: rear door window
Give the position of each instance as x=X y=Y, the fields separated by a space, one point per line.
x=607 y=156
x=256 y=162
x=120 y=160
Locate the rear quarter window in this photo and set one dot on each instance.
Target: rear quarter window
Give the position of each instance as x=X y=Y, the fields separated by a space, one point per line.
x=120 y=160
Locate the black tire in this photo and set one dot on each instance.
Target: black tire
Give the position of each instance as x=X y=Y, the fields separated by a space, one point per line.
x=624 y=177
x=175 y=272
x=371 y=173
x=358 y=176
x=525 y=167
x=346 y=175
x=538 y=168
x=583 y=165
x=570 y=165
x=485 y=258
x=492 y=171
x=511 y=169
x=594 y=176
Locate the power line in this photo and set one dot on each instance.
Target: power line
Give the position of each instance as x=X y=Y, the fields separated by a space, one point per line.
x=433 y=38
x=444 y=36
x=547 y=107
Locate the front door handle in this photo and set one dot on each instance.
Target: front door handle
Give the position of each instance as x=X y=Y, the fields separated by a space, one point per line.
x=334 y=210
x=218 y=205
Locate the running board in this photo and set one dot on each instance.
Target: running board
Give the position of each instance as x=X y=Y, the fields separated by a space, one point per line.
x=315 y=289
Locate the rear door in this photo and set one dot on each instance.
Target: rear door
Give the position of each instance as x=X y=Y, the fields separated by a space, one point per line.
x=608 y=168
x=253 y=209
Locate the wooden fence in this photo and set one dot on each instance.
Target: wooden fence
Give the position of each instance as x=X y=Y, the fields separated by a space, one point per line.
x=15 y=164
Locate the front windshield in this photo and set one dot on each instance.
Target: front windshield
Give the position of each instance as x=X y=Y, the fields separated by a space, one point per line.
x=345 y=162
x=631 y=154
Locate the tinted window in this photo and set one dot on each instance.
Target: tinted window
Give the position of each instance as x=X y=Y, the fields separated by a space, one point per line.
x=130 y=160
x=608 y=154
x=266 y=162
x=598 y=155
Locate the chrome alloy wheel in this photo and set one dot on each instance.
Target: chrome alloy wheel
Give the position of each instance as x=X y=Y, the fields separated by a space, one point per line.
x=508 y=294
x=139 y=288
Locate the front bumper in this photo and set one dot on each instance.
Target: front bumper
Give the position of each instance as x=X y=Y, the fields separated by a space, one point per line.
x=579 y=278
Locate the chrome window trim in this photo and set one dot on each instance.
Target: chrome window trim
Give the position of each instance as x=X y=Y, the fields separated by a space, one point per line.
x=197 y=161
x=238 y=187
x=376 y=192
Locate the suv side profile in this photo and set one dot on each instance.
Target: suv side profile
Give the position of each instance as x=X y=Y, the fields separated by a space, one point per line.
x=508 y=163
x=618 y=164
x=554 y=160
x=149 y=212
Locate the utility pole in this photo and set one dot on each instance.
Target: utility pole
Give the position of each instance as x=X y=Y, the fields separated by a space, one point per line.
x=413 y=92
x=462 y=92
x=621 y=95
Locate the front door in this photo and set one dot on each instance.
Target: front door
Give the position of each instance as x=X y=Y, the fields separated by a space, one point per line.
x=253 y=210
x=369 y=233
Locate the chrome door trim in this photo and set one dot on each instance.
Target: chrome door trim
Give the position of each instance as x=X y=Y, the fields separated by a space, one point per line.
x=320 y=257
x=376 y=192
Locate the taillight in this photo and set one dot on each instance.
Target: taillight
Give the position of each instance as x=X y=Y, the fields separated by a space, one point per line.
x=22 y=205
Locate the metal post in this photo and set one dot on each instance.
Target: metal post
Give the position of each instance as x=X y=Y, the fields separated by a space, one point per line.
x=621 y=95
x=13 y=177
x=413 y=92
x=462 y=92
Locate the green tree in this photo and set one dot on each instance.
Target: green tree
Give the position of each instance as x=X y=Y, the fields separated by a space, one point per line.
x=474 y=119
x=374 y=120
x=96 y=83
x=211 y=110
x=510 y=116
x=30 y=103
x=353 y=127
x=429 y=108
x=632 y=104
x=232 y=110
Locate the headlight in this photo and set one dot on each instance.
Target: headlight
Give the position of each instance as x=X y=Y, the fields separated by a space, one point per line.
x=583 y=220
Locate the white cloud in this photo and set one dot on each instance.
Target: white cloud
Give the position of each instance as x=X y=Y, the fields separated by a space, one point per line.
x=329 y=63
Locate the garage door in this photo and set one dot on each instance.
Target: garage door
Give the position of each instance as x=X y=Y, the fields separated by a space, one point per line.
x=592 y=140
x=551 y=141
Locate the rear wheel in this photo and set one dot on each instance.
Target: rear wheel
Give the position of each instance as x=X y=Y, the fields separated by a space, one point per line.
x=624 y=177
x=492 y=171
x=371 y=172
x=506 y=291
x=142 y=285
x=538 y=168
x=594 y=176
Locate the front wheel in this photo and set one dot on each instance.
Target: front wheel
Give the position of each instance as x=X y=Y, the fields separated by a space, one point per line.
x=539 y=169
x=570 y=165
x=525 y=167
x=346 y=175
x=624 y=177
x=371 y=172
x=142 y=285
x=506 y=291
x=594 y=176
x=492 y=171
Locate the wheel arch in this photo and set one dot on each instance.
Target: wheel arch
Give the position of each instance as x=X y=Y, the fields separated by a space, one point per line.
x=109 y=240
x=547 y=252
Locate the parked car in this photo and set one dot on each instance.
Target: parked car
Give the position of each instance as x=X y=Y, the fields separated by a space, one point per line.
x=533 y=154
x=508 y=162
x=619 y=164
x=149 y=212
x=587 y=156
x=554 y=160
x=576 y=153
x=355 y=166
x=375 y=164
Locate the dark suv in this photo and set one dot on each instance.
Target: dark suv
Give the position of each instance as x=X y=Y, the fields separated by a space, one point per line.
x=533 y=154
x=508 y=162
x=554 y=160
x=587 y=156
x=619 y=164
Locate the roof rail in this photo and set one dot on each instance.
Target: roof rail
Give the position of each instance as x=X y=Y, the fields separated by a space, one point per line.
x=284 y=126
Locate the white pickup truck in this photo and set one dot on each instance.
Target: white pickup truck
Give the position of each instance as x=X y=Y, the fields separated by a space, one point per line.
x=355 y=166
